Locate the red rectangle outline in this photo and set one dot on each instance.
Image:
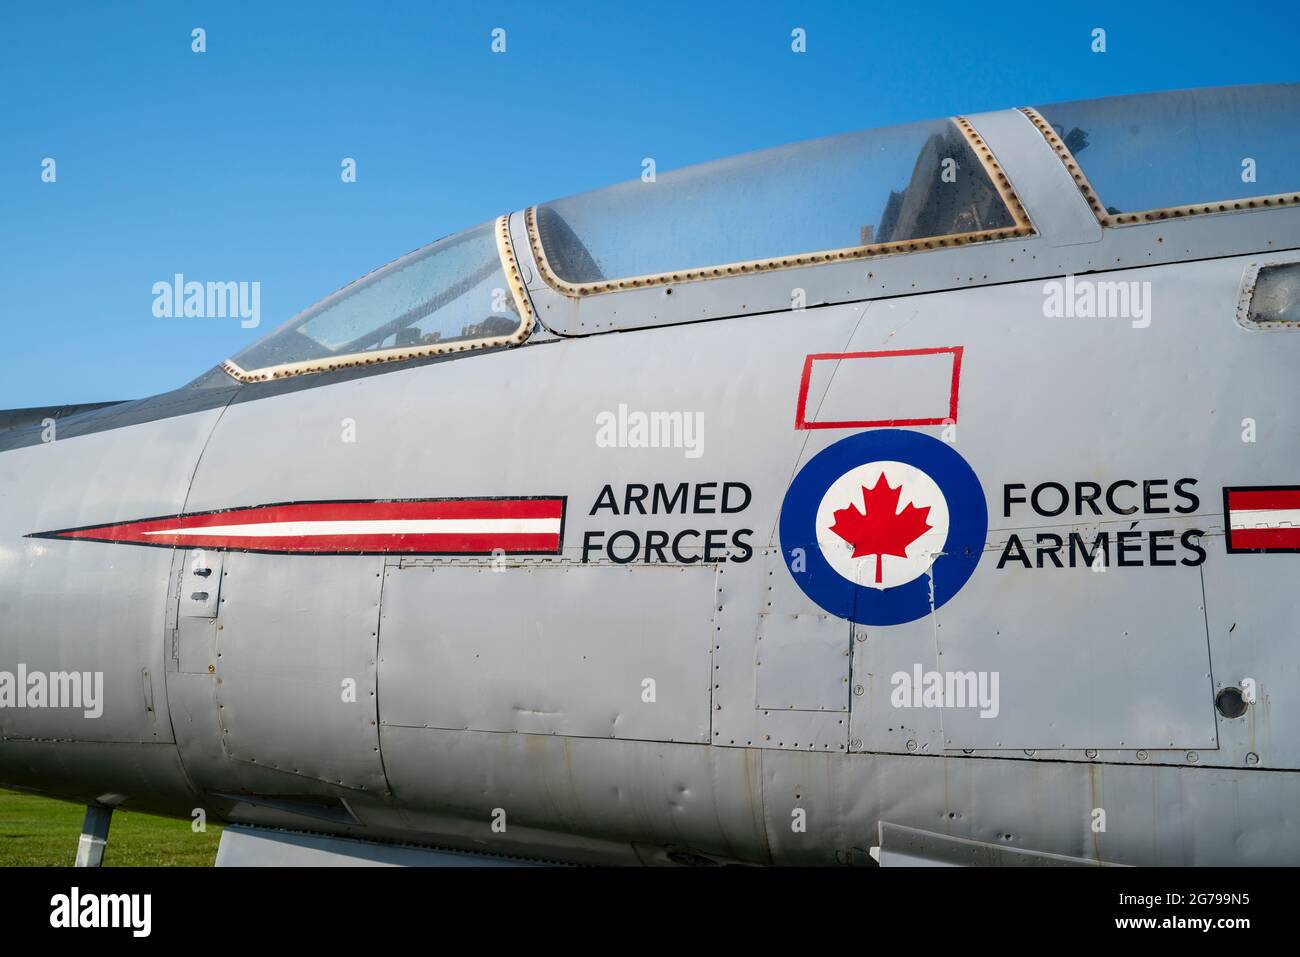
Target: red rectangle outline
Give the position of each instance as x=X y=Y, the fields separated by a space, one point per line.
x=1261 y=545
x=800 y=422
x=1264 y=497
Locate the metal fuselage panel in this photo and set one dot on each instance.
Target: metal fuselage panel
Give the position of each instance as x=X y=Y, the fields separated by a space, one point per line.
x=608 y=698
x=86 y=607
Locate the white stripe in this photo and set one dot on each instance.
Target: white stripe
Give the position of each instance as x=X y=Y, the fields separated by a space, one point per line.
x=399 y=526
x=1265 y=518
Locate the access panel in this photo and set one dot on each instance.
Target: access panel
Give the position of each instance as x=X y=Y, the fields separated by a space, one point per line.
x=585 y=650
x=1076 y=658
x=295 y=669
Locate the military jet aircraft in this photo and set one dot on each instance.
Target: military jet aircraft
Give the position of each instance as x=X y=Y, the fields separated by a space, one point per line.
x=921 y=495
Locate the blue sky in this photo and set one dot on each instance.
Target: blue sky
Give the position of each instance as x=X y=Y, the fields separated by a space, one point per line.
x=225 y=165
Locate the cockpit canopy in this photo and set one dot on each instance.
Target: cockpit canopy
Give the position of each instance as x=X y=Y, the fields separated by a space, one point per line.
x=897 y=190
x=876 y=188
x=453 y=291
x=1159 y=151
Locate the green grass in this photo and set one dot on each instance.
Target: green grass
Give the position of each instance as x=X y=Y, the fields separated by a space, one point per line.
x=43 y=832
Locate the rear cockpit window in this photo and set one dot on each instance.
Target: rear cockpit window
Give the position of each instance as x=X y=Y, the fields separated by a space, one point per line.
x=1180 y=153
x=844 y=197
x=450 y=295
x=1270 y=297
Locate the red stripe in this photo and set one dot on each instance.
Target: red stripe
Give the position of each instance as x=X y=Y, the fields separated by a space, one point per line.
x=1247 y=499
x=126 y=532
x=377 y=511
x=1266 y=537
x=509 y=508
x=477 y=542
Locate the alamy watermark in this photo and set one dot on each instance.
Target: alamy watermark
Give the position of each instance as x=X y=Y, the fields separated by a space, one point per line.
x=946 y=689
x=208 y=300
x=128 y=911
x=53 y=689
x=1098 y=299
x=634 y=429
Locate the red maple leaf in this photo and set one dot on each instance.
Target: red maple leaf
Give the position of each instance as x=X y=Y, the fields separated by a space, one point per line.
x=880 y=529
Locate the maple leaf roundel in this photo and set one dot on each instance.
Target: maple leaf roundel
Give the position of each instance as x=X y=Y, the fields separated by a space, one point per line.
x=882 y=524
x=883 y=527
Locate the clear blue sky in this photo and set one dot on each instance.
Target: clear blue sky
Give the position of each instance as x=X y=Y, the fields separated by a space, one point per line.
x=225 y=165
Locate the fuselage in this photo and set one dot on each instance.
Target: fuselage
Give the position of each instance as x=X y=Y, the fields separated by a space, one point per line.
x=612 y=648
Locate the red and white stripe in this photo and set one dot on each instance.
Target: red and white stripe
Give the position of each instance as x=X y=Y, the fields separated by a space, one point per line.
x=425 y=526
x=1263 y=519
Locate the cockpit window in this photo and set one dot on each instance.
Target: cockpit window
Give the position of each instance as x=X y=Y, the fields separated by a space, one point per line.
x=449 y=295
x=838 y=198
x=1191 y=151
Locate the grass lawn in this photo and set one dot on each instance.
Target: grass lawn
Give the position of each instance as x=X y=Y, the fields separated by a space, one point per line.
x=41 y=832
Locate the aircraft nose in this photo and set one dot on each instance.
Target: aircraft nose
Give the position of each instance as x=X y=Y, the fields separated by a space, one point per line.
x=82 y=630
x=18 y=497
x=50 y=689
x=84 y=636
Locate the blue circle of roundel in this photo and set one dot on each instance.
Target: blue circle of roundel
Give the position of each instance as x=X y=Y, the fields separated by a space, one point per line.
x=968 y=524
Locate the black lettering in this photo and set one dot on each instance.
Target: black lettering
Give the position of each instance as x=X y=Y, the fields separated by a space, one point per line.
x=1014 y=543
x=1049 y=552
x=637 y=499
x=1194 y=546
x=1110 y=497
x=1008 y=501
x=1065 y=499
x=710 y=544
x=1126 y=542
x=726 y=492
x=700 y=498
x=677 y=550
x=654 y=545
x=1151 y=494
x=662 y=504
x=636 y=547
x=605 y=500
x=1156 y=548
x=1194 y=502
x=1090 y=499
x=586 y=543
x=1101 y=544
x=736 y=542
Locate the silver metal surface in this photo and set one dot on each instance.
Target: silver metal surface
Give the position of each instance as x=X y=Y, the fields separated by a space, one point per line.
x=593 y=700
x=577 y=669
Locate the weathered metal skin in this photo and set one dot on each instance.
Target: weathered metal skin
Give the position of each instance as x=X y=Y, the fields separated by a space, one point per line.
x=499 y=703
